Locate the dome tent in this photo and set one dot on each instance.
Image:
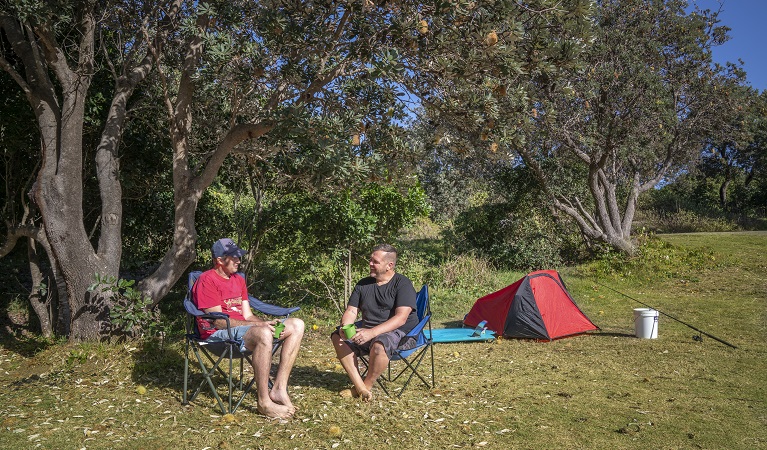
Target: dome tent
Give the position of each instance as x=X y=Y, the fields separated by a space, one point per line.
x=537 y=306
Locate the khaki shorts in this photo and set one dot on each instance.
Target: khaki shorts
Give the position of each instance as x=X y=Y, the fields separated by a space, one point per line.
x=391 y=341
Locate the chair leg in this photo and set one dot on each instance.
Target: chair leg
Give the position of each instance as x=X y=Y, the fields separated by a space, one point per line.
x=218 y=368
x=433 y=379
x=414 y=371
x=230 y=351
x=207 y=378
x=242 y=372
x=184 y=395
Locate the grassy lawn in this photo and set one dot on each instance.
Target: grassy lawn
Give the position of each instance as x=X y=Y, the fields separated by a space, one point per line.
x=604 y=390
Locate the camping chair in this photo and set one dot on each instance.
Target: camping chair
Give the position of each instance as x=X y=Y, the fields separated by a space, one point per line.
x=412 y=358
x=217 y=353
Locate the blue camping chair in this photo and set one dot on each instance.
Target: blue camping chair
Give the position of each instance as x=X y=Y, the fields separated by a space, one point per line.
x=412 y=358
x=216 y=353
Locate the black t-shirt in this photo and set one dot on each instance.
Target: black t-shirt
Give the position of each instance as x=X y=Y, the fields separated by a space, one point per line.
x=378 y=303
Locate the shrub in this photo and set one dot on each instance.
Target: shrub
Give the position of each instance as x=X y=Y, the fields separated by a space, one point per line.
x=685 y=221
x=465 y=272
x=515 y=237
x=131 y=313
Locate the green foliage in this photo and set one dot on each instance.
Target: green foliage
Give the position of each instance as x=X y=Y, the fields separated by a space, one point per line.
x=307 y=238
x=511 y=238
x=465 y=273
x=427 y=258
x=148 y=199
x=18 y=135
x=734 y=155
x=598 y=130
x=223 y=212
x=692 y=203
x=131 y=313
x=684 y=221
x=76 y=357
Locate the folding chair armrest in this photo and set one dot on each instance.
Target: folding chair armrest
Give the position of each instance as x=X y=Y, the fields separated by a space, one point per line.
x=214 y=316
x=272 y=310
x=192 y=309
x=419 y=328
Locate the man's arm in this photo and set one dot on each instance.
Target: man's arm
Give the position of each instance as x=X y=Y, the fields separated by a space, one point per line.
x=349 y=316
x=250 y=318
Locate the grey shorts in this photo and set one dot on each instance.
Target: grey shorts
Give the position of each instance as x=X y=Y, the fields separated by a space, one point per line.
x=391 y=341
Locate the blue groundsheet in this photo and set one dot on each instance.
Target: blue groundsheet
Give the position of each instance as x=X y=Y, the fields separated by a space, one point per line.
x=459 y=335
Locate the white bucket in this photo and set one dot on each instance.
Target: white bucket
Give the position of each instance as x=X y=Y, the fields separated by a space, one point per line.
x=646 y=323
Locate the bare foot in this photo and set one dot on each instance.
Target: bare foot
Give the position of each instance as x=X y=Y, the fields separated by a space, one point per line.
x=275 y=411
x=366 y=396
x=281 y=398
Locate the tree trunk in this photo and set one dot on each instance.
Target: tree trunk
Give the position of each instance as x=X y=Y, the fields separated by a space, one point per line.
x=40 y=298
x=723 y=193
x=181 y=254
x=59 y=108
x=189 y=186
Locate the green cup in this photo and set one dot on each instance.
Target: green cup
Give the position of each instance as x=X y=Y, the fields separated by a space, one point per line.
x=278 y=327
x=349 y=330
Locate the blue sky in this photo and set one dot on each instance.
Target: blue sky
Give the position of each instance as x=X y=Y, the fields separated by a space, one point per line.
x=748 y=36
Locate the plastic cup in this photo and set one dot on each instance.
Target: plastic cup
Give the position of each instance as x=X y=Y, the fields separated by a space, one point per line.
x=349 y=330
x=278 y=327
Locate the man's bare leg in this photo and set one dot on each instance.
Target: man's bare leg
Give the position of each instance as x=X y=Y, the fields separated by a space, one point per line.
x=294 y=328
x=349 y=363
x=377 y=364
x=259 y=340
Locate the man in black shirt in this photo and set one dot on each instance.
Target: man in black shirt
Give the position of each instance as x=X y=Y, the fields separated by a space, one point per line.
x=387 y=301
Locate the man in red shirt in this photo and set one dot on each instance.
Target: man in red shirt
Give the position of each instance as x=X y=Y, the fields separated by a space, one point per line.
x=221 y=289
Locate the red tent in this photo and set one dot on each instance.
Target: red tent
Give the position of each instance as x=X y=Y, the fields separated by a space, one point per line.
x=537 y=306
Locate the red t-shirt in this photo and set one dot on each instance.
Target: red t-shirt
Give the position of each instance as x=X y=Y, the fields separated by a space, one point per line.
x=212 y=290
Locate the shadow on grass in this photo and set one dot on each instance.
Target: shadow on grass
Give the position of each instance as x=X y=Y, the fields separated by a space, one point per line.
x=308 y=376
x=20 y=332
x=162 y=366
x=25 y=346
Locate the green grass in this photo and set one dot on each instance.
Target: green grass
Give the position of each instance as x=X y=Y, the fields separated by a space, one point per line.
x=603 y=390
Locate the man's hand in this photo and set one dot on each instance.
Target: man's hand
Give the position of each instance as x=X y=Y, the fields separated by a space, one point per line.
x=270 y=324
x=363 y=335
x=257 y=322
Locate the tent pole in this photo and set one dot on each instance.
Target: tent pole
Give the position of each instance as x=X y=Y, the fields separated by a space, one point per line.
x=669 y=316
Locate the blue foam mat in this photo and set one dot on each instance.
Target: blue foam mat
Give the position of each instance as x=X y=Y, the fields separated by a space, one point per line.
x=458 y=335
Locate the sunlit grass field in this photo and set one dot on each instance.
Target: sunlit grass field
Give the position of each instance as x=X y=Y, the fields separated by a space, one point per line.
x=607 y=389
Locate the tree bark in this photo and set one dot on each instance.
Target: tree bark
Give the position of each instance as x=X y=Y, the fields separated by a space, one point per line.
x=41 y=303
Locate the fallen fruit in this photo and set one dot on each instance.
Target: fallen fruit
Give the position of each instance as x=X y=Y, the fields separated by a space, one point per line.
x=491 y=39
x=423 y=27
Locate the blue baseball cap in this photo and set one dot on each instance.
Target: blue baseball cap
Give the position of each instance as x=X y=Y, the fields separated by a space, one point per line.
x=226 y=247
